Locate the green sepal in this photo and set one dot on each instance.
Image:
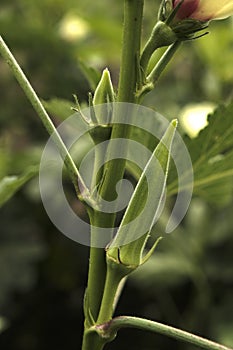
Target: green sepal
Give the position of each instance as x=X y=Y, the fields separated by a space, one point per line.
x=78 y=110
x=94 y=119
x=126 y=247
x=101 y=115
x=89 y=319
x=151 y=251
x=162 y=35
x=129 y=261
x=187 y=29
x=104 y=92
x=116 y=266
x=165 y=10
x=101 y=133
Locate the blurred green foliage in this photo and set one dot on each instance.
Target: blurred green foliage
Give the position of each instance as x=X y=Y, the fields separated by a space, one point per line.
x=189 y=281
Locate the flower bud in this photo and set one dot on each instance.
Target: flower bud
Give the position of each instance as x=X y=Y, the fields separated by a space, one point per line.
x=126 y=249
x=101 y=109
x=187 y=17
x=175 y=14
x=104 y=92
x=162 y=35
x=204 y=10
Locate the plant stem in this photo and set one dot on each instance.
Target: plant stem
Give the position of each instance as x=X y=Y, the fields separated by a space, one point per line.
x=127 y=86
x=163 y=62
x=133 y=10
x=162 y=35
x=156 y=72
x=92 y=341
x=130 y=50
x=43 y=115
x=113 y=279
x=147 y=53
x=135 y=322
x=96 y=278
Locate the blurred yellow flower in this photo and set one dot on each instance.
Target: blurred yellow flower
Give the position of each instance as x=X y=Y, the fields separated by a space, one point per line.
x=73 y=28
x=193 y=117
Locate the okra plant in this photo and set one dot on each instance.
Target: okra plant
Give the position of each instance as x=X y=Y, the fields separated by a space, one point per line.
x=119 y=234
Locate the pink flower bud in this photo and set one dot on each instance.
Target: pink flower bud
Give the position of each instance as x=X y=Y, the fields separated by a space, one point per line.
x=204 y=10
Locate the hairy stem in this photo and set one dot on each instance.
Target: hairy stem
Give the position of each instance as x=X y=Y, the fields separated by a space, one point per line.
x=41 y=112
x=114 y=170
x=126 y=93
x=133 y=10
x=131 y=49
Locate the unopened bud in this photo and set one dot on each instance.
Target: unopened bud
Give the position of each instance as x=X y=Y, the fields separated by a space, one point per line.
x=104 y=92
x=129 y=243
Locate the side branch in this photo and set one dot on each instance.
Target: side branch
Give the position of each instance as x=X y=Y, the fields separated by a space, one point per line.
x=110 y=328
x=43 y=115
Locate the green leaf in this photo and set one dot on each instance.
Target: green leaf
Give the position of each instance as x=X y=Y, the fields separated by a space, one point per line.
x=212 y=157
x=91 y=74
x=144 y=206
x=9 y=185
x=147 y=139
x=59 y=108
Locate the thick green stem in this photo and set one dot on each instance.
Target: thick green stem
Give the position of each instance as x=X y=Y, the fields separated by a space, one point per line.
x=126 y=91
x=96 y=282
x=92 y=341
x=117 y=323
x=133 y=10
x=40 y=110
x=96 y=279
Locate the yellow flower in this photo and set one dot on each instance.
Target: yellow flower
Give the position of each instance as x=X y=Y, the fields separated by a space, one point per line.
x=204 y=10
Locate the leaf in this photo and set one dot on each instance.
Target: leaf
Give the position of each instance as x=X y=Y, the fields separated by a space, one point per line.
x=9 y=185
x=192 y=248
x=146 y=137
x=212 y=157
x=59 y=108
x=91 y=74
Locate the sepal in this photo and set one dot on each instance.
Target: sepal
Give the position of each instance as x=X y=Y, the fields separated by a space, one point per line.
x=129 y=243
x=104 y=92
